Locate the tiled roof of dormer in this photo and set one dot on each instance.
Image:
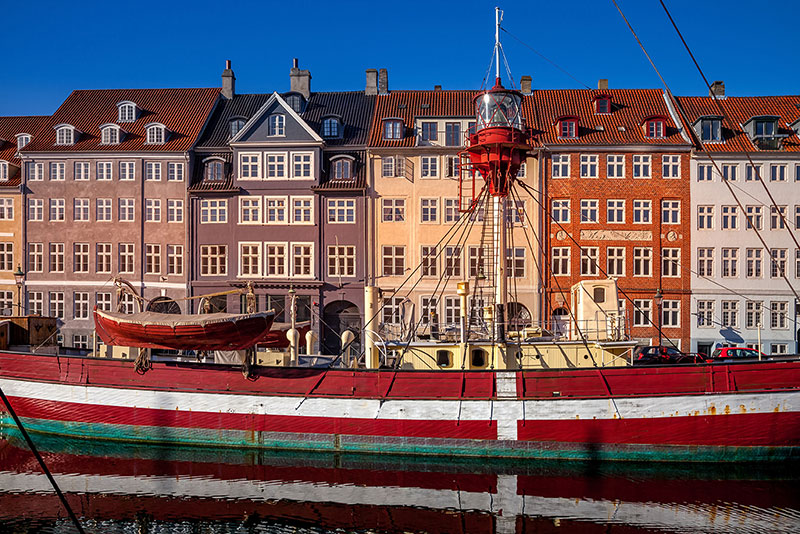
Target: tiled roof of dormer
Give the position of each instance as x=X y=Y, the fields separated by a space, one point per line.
x=623 y=126
x=182 y=111
x=740 y=109
x=359 y=181
x=9 y=128
x=199 y=184
x=354 y=108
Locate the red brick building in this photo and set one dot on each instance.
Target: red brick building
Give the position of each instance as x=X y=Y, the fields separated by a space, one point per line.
x=616 y=168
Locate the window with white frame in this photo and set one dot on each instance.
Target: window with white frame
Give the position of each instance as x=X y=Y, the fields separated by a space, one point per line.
x=778 y=311
x=429 y=309
x=36 y=257
x=670 y=166
x=394 y=260
x=104 y=171
x=589 y=166
x=671 y=313
x=429 y=131
x=80 y=341
x=641 y=166
x=560 y=166
x=515 y=262
x=126 y=112
x=730 y=217
x=641 y=211
x=615 y=264
x=250 y=166
x=452 y=167
x=515 y=212
x=429 y=210
x=655 y=128
x=276 y=165
x=302 y=165
x=392 y=310
x=80 y=305
x=330 y=127
x=388 y=167
x=451 y=213
x=152 y=210
x=109 y=135
x=777 y=172
x=589 y=261
x=127 y=170
x=80 y=209
x=302 y=210
x=6 y=256
x=452 y=310
x=754 y=217
x=341 y=260
x=174 y=210
x=56 y=304
x=175 y=259
x=452 y=134
x=560 y=210
x=523 y=170
x=275 y=209
x=705 y=173
x=589 y=211
x=342 y=210
x=302 y=259
x=342 y=169
x=752 y=313
x=777 y=349
x=35 y=171
x=250 y=210
x=152 y=171
x=705 y=314
x=152 y=257
x=392 y=129
x=249 y=259
x=452 y=261
x=475 y=259
x=277 y=123
x=57 y=209
x=22 y=141
x=126 y=257
x=730 y=314
x=752 y=172
x=670 y=211
x=214 y=170
x=561 y=261
x=729 y=172
x=615 y=166
x=778 y=263
x=103 y=257
x=36 y=303
x=642 y=312
x=57 y=171
x=730 y=262
x=393 y=209
x=213 y=260
x=103 y=301
x=705 y=217
x=175 y=172
x=6 y=209
x=127 y=209
x=214 y=211
x=65 y=135
x=103 y=210
x=615 y=211
x=567 y=128
x=430 y=263
x=753 y=265
x=777 y=216
x=81 y=171
x=56 y=257
x=156 y=134
x=276 y=259
x=797 y=216
x=430 y=167
x=670 y=262
x=642 y=261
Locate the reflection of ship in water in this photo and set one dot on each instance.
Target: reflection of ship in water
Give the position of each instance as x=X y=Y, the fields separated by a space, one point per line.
x=124 y=485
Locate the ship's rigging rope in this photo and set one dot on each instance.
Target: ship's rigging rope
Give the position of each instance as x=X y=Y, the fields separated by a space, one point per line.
x=526 y=45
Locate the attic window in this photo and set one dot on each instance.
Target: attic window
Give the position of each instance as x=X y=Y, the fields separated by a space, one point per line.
x=710 y=130
x=156 y=133
x=65 y=134
x=392 y=129
x=126 y=112
x=109 y=134
x=3 y=171
x=602 y=105
x=330 y=127
x=765 y=128
x=568 y=128
x=342 y=169
x=295 y=102
x=214 y=170
x=276 y=125
x=22 y=140
x=236 y=124
x=655 y=127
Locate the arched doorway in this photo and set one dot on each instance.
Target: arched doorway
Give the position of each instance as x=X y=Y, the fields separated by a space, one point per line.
x=163 y=304
x=337 y=317
x=519 y=316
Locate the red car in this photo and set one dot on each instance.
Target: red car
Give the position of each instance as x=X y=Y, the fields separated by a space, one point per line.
x=727 y=354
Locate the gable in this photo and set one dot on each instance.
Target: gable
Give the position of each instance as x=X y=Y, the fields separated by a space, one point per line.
x=295 y=129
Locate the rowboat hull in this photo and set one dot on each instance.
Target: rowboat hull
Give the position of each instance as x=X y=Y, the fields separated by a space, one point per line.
x=744 y=412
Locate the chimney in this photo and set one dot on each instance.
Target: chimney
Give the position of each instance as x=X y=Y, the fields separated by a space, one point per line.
x=717 y=89
x=299 y=80
x=437 y=87
x=228 y=81
x=525 y=85
x=383 y=82
x=602 y=84
x=372 y=82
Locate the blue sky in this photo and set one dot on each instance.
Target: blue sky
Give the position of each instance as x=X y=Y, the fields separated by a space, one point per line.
x=55 y=47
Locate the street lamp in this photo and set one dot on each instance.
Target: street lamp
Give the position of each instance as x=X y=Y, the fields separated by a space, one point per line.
x=19 y=278
x=659 y=299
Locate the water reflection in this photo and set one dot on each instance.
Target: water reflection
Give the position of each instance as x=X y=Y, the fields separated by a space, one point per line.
x=137 y=489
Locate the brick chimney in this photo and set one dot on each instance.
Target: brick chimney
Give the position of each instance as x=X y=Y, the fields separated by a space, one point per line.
x=717 y=89
x=602 y=84
x=372 y=82
x=525 y=85
x=383 y=82
x=299 y=80
x=437 y=87
x=228 y=81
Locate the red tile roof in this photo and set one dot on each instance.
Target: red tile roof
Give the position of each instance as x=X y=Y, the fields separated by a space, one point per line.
x=740 y=109
x=629 y=109
x=408 y=105
x=9 y=128
x=182 y=111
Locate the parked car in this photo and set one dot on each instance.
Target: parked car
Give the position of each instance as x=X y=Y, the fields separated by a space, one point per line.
x=727 y=354
x=661 y=355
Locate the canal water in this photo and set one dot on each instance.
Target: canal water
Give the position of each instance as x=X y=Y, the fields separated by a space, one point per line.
x=117 y=488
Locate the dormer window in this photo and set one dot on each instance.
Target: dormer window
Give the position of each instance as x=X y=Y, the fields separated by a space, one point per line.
x=214 y=170
x=392 y=129
x=330 y=127
x=711 y=129
x=126 y=112
x=295 y=102
x=655 y=127
x=602 y=105
x=3 y=171
x=22 y=140
x=568 y=127
x=65 y=134
x=765 y=128
x=236 y=124
x=276 y=125
x=342 y=169
x=156 y=133
x=109 y=134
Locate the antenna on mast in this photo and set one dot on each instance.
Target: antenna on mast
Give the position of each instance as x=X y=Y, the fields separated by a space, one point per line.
x=498 y=18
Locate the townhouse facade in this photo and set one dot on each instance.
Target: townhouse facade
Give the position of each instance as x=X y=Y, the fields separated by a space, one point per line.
x=422 y=240
x=105 y=192
x=616 y=167
x=15 y=134
x=748 y=155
